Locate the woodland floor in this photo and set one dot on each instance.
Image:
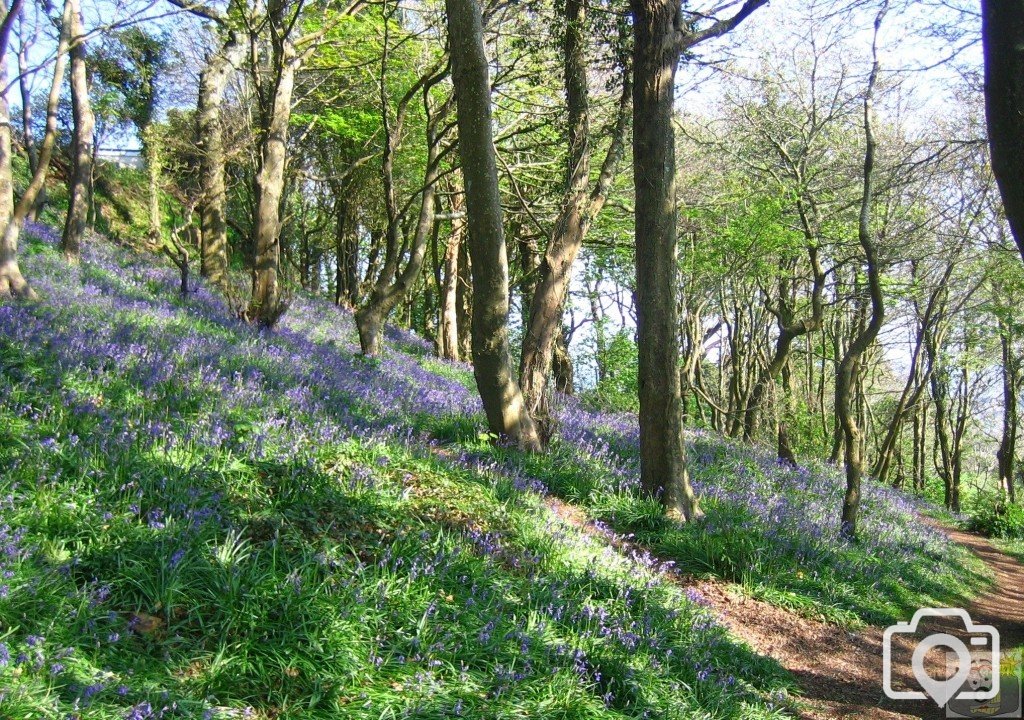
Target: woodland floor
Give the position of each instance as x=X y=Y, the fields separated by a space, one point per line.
x=840 y=671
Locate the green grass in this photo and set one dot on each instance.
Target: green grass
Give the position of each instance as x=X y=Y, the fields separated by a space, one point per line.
x=846 y=584
x=1012 y=547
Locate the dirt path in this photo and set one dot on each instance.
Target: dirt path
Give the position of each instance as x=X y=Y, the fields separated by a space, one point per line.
x=840 y=672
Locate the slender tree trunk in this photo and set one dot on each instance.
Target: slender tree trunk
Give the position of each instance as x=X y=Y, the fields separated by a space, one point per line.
x=529 y=274
x=27 y=131
x=464 y=301
x=346 y=291
x=449 y=345
x=939 y=383
x=789 y=330
x=503 y=402
x=392 y=287
x=850 y=367
x=12 y=282
x=1008 y=443
x=920 y=450
x=562 y=372
x=213 y=82
x=80 y=185
x=597 y=317
x=154 y=169
x=910 y=396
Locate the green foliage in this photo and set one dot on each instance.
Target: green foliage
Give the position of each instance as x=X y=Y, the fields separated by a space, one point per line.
x=617 y=390
x=125 y=68
x=994 y=517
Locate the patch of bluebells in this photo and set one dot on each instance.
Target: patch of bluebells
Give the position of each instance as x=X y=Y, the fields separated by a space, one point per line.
x=305 y=384
x=795 y=509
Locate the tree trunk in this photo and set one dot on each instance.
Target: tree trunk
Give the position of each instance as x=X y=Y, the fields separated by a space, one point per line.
x=1002 y=39
x=12 y=282
x=849 y=368
x=663 y=472
x=561 y=365
x=346 y=292
x=464 y=301
x=503 y=402
x=579 y=207
x=80 y=184
x=918 y=378
x=449 y=341
x=154 y=161
x=940 y=397
x=268 y=304
x=920 y=449
x=1008 y=442
x=27 y=131
x=788 y=332
x=213 y=81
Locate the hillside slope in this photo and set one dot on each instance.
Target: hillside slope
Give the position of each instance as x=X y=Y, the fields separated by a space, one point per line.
x=201 y=520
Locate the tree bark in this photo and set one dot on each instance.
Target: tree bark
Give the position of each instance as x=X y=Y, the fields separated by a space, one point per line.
x=80 y=184
x=789 y=330
x=449 y=340
x=920 y=442
x=1002 y=39
x=507 y=415
x=154 y=169
x=663 y=472
x=346 y=292
x=392 y=286
x=562 y=372
x=213 y=82
x=1005 y=456
x=25 y=89
x=268 y=303
x=660 y=35
x=464 y=301
x=12 y=282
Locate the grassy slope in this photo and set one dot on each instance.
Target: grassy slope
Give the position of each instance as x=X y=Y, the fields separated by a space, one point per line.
x=1013 y=547
x=196 y=519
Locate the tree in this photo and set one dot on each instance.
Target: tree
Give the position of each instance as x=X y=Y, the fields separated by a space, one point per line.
x=849 y=367
x=580 y=205
x=285 y=52
x=26 y=75
x=507 y=415
x=661 y=33
x=393 y=283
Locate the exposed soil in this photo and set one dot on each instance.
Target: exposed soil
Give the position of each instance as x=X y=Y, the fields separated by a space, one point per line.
x=840 y=672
